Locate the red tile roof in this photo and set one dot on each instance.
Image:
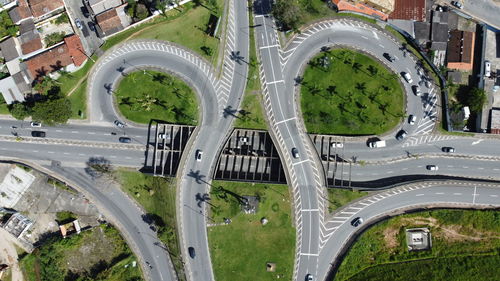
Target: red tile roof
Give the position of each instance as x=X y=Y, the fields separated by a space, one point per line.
x=49 y=61
x=109 y=21
x=75 y=49
x=42 y=7
x=460 y=53
x=409 y=10
x=32 y=45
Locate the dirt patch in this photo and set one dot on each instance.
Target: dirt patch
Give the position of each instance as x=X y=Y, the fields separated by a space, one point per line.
x=94 y=248
x=390 y=238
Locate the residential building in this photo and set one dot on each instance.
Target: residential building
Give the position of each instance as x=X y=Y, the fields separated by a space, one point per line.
x=461 y=50
x=20 y=12
x=99 y=6
x=70 y=228
x=10 y=91
x=413 y=10
x=495 y=121
x=18 y=224
x=10 y=49
x=112 y=21
x=43 y=8
x=375 y=8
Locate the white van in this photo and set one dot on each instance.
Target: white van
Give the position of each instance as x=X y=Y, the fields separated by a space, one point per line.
x=487 y=68
x=374 y=144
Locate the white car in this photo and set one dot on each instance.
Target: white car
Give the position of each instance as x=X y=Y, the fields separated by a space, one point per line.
x=36 y=124
x=337 y=145
x=416 y=90
x=407 y=77
x=432 y=167
x=163 y=136
x=412 y=119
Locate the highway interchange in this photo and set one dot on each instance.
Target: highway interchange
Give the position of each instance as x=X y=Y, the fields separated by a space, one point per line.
x=321 y=237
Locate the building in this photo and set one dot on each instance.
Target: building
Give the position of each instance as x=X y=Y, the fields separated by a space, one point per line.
x=495 y=121
x=14 y=185
x=461 y=50
x=418 y=239
x=99 y=6
x=10 y=91
x=112 y=21
x=20 y=12
x=9 y=49
x=409 y=10
x=18 y=224
x=70 y=228
x=375 y=8
x=43 y=8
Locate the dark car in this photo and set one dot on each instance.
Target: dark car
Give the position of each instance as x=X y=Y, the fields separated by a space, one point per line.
x=192 y=253
x=457 y=4
x=85 y=12
x=38 y=134
x=295 y=153
x=448 y=149
x=388 y=57
x=91 y=25
x=401 y=135
x=357 y=221
x=125 y=140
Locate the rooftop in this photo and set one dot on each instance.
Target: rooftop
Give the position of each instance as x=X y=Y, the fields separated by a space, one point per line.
x=75 y=48
x=461 y=50
x=418 y=239
x=30 y=41
x=14 y=185
x=49 y=61
x=20 y=13
x=9 y=49
x=495 y=121
x=109 y=22
x=18 y=224
x=409 y=10
x=10 y=91
x=42 y=7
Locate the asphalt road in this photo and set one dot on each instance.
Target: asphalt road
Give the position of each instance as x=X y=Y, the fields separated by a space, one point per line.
x=376 y=207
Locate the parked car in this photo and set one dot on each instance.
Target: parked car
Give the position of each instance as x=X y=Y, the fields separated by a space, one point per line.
x=356 y=221
x=412 y=119
x=295 y=153
x=448 y=149
x=337 y=145
x=416 y=90
x=388 y=57
x=38 y=134
x=91 y=26
x=125 y=140
x=457 y=4
x=401 y=135
x=432 y=167
x=192 y=253
x=198 y=155
x=163 y=136
x=407 y=77
x=244 y=139
x=119 y=124
x=78 y=23
x=85 y=12
x=36 y=124
x=487 y=68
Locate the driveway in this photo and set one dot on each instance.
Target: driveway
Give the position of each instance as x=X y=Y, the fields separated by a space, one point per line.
x=8 y=255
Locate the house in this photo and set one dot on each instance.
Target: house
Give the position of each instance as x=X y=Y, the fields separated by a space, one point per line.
x=375 y=8
x=43 y=8
x=10 y=91
x=112 y=21
x=413 y=10
x=29 y=38
x=99 y=6
x=70 y=228
x=495 y=121
x=21 y=12
x=56 y=58
x=18 y=224
x=461 y=50
x=10 y=49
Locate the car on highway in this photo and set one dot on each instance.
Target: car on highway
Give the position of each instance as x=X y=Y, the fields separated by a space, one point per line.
x=412 y=119
x=432 y=167
x=309 y=277
x=125 y=140
x=377 y=143
x=457 y=4
x=198 y=155
x=356 y=221
x=416 y=90
x=407 y=77
x=191 y=252
x=337 y=144
x=295 y=153
x=78 y=23
x=388 y=57
x=119 y=124
x=36 y=124
x=38 y=134
x=401 y=135
x=448 y=149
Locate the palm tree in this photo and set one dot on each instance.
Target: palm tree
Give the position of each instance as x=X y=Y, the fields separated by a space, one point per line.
x=361 y=86
x=315 y=89
x=356 y=66
x=372 y=69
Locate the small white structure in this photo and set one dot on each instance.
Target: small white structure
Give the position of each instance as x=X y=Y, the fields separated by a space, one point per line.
x=13 y=186
x=10 y=91
x=466 y=111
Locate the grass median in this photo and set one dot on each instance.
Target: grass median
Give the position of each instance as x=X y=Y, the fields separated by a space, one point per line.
x=344 y=92
x=460 y=238
x=145 y=95
x=240 y=250
x=339 y=197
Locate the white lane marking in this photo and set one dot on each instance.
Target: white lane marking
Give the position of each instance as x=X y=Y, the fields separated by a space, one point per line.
x=439 y=193
x=50 y=152
x=270 y=46
x=279 y=122
x=275 y=82
x=58 y=131
x=457 y=193
x=74 y=132
x=493 y=195
x=298 y=163
x=308 y=254
x=420 y=194
x=91 y=133
x=474 y=195
x=309 y=210
x=476 y=142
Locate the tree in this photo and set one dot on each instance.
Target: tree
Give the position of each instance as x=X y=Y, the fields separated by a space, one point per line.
x=141 y=12
x=55 y=111
x=7 y=27
x=476 y=99
x=19 y=111
x=287 y=13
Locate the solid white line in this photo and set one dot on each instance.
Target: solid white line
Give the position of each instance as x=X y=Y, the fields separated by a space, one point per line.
x=493 y=195
x=421 y=194
x=279 y=122
x=275 y=82
x=474 y=195
x=270 y=46
x=439 y=193
x=306 y=254
x=457 y=193
x=309 y=210
x=303 y=161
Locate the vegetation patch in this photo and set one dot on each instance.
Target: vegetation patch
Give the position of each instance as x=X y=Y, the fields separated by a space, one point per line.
x=339 y=197
x=7 y=27
x=460 y=238
x=145 y=95
x=348 y=93
x=97 y=254
x=241 y=249
x=157 y=196
x=54 y=38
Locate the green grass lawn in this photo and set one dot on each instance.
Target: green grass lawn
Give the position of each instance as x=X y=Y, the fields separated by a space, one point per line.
x=185 y=27
x=156 y=95
x=460 y=238
x=157 y=196
x=4 y=109
x=96 y=254
x=339 y=197
x=353 y=95
x=241 y=249
x=78 y=101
